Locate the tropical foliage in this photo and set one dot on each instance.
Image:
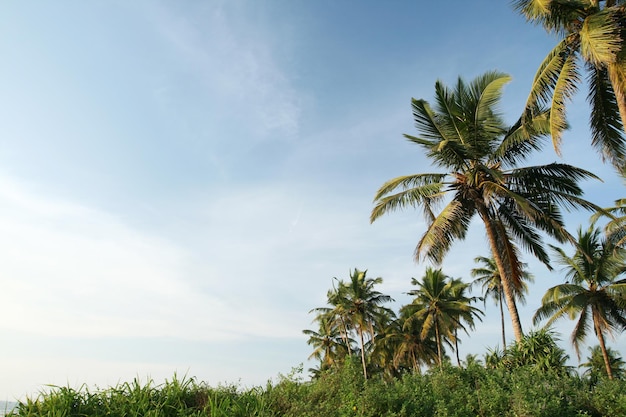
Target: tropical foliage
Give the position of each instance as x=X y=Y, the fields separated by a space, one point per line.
x=465 y=136
x=591 y=34
x=595 y=368
x=356 y=311
x=593 y=291
x=488 y=277
x=440 y=306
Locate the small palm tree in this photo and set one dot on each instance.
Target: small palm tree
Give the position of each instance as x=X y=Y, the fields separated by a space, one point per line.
x=403 y=342
x=591 y=33
x=466 y=137
x=439 y=307
x=329 y=345
x=615 y=228
x=595 y=366
x=538 y=349
x=593 y=291
x=488 y=277
x=359 y=307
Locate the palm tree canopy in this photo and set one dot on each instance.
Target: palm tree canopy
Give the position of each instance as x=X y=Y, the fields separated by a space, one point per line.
x=595 y=364
x=590 y=32
x=465 y=135
x=440 y=306
x=593 y=291
x=488 y=277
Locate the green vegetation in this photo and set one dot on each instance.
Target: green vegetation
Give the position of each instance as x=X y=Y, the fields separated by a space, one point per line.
x=454 y=391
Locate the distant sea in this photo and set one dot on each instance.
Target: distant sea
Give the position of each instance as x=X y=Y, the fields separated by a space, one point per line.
x=6 y=406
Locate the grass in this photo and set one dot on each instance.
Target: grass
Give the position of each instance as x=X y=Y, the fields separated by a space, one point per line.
x=475 y=391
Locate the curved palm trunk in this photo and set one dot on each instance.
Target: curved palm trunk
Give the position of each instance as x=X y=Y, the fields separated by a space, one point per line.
x=504 y=278
x=605 y=354
x=363 y=352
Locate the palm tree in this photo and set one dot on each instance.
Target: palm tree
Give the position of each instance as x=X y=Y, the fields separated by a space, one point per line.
x=360 y=307
x=466 y=137
x=328 y=342
x=440 y=307
x=458 y=289
x=489 y=278
x=539 y=350
x=595 y=364
x=615 y=228
x=403 y=342
x=591 y=33
x=592 y=292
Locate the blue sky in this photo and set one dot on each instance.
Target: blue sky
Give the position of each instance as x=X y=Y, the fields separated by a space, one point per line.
x=180 y=181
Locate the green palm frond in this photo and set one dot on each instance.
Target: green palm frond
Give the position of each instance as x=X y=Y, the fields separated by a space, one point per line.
x=423 y=190
x=600 y=41
x=564 y=89
x=607 y=132
x=523 y=138
x=449 y=225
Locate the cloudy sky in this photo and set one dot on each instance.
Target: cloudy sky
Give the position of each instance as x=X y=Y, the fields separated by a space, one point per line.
x=181 y=181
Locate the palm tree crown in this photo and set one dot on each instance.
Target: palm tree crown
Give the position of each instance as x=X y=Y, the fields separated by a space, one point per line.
x=591 y=31
x=465 y=136
x=358 y=307
x=593 y=292
x=440 y=305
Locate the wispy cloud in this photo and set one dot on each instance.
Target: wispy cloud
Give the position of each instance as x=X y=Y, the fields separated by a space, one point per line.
x=237 y=64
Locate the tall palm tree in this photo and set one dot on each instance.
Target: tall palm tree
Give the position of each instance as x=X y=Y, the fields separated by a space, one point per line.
x=592 y=292
x=488 y=277
x=466 y=136
x=592 y=34
x=361 y=307
x=440 y=307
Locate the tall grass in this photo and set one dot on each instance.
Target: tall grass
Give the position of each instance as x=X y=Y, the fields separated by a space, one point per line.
x=343 y=392
x=174 y=398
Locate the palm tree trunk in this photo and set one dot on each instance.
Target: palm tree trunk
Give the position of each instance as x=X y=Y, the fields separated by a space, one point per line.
x=439 y=353
x=456 y=348
x=504 y=278
x=363 y=352
x=605 y=354
x=502 y=318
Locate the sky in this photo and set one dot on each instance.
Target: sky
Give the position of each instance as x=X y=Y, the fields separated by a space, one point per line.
x=181 y=181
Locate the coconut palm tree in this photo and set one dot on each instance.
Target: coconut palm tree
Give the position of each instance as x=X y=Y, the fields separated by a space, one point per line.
x=328 y=342
x=591 y=34
x=465 y=136
x=593 y=291
x=360 y=307
x=615 y=228
x=595 y=365
x=459 y=293
x=488 y=277
x=402 y=342
x=440 y=307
